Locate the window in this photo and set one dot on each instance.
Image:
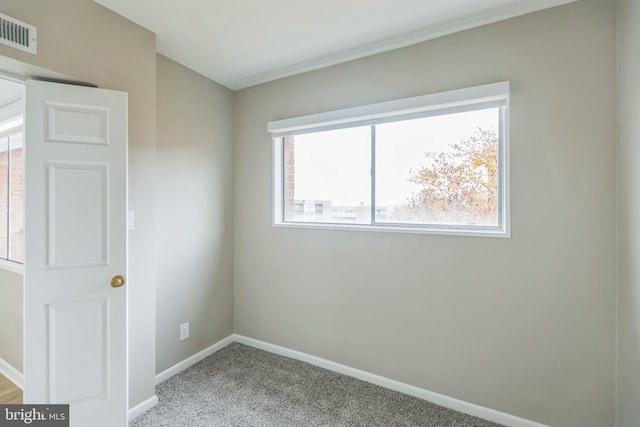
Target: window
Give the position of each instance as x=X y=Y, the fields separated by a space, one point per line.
x=435 y=163
x=11 y=184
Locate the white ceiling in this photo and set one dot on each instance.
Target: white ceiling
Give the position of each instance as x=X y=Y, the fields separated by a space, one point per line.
x=241 y=43
x=9 y=92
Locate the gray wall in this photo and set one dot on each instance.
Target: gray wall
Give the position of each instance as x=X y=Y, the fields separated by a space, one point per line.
x=194 y=212
x=81 y=39
x=628 y=412
x=524 y=325
x=11 y=318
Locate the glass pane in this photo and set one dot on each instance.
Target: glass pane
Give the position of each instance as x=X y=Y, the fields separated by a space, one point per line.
x=440 y=170
x=4 y=193
x=16 y=199
x=327 y=177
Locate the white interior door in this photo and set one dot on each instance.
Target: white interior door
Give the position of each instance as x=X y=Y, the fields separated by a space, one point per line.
x=75 y=243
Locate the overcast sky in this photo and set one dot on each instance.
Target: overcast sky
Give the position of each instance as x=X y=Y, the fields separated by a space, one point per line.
x=335 y=165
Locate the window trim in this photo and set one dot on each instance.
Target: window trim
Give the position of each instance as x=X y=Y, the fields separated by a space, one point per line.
x=13 y=266
x=442 y=103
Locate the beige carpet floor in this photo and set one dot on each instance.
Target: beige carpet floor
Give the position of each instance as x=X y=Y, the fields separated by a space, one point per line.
x=244 y=386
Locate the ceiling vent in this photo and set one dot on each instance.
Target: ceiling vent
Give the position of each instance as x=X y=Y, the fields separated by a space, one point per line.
x=18 y=34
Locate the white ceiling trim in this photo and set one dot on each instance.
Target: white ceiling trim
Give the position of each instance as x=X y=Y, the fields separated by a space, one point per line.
x=404 y=40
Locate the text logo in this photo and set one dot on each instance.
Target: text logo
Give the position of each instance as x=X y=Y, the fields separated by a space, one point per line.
x=34 y=415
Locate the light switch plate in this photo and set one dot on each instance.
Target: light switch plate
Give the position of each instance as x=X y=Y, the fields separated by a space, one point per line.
x=131 y=221
x=184 y=331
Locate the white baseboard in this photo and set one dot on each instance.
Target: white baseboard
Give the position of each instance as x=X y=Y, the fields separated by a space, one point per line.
x=11 y=373
x=488 y=414
x=186 y=363
x=176 y=369
x=439 y=399
x=140 y=408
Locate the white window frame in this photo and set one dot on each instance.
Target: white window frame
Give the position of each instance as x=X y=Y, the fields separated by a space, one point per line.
x=450 y=102
x=9 y=113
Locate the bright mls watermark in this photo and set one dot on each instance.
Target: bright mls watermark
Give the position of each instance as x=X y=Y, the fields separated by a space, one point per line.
x=34 y=415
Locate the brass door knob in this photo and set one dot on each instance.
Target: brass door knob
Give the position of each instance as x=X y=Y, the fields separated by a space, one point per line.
x=117 y=281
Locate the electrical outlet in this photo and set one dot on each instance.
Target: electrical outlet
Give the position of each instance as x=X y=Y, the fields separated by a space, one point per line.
x=184 y=331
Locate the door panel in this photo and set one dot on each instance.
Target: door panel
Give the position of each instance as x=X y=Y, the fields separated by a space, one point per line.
x=73 y=123
x=76 y=241
x=88 y=362
x=78 y=214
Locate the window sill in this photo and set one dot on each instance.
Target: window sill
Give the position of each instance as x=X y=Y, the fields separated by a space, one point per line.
x=399 y=229
x=14 y=267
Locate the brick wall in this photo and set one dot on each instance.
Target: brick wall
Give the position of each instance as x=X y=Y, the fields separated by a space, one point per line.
x=289 y=177
x=4 y=182
x=12 y=200
x=16 y=199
